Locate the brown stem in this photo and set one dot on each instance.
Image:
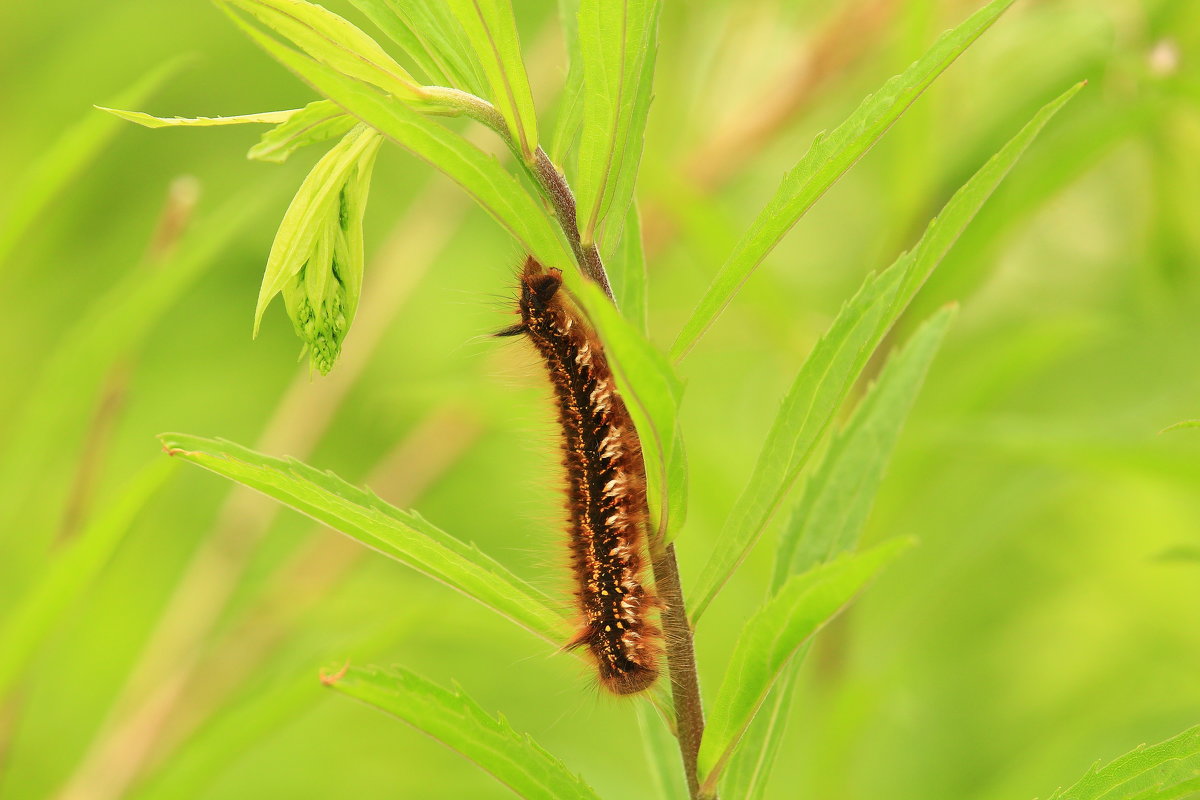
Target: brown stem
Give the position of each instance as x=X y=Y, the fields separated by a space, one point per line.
x=563 y=201
x=540 y=167
x=681 y=663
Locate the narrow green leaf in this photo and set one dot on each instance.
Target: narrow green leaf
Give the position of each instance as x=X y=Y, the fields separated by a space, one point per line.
x=1169 y=770
x=627 y=272
x=569 y=118
x=750 y=767
x=838 y=497
x=402 y=535
x=662 y=754
x=56 y=406
x=315 y=123
x=334 y=42
x=492 y=31
x=150 y=121
x=827 y=522
x=1187 y=423
x=618 y=41
x=825 y=162
x=839 y=357
x=496 y=190
x=384 y=16
x=652 y=392
x=461 y=724
x=31 y=618
x=769 y=638
x=58 y=166
x=432 y=37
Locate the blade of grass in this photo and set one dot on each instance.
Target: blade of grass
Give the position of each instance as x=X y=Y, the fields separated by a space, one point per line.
x=770 y=638
x=829 y=157
x=56 y=405
x=66 y=159
x=840 y=356
x=458 y=722
x=402 y=535
x=492 y=32
x=34 y=616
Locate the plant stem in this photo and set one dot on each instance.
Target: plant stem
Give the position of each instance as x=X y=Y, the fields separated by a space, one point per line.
x=681 y=662
x=548 y=177
x=563 y=201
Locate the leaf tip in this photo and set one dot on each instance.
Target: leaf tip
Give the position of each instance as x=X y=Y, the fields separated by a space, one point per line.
x=331 y=679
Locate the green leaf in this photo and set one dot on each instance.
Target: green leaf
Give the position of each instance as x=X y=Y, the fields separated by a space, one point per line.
x=627 y=273
x=432 y=37
x=316 y=122
x=496 y=190
x=492 y=31
x=569 y=118
x=825 y=162
x=838 y=497
x=294 y=128
x=461 y=724
x=1169 y=770
x=316 y=260
x=652 y=393
x=334 y=42
x=618 y=41
x=770 y=638
x=58 y=166
x=662 y=754
x=151 y=121
x=750 y=767
x=827 y=522
x=29 y=620
x=839 y=358
x=402 y=535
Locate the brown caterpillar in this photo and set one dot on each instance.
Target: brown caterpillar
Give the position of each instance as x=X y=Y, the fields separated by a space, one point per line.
x=606 y=485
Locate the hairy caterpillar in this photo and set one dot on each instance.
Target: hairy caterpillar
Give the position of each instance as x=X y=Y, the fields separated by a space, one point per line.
x=606 y=485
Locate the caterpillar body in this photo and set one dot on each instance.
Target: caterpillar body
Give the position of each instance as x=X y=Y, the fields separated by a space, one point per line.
x=606 y=485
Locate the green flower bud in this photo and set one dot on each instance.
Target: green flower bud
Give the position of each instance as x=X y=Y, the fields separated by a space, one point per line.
x=316 y=261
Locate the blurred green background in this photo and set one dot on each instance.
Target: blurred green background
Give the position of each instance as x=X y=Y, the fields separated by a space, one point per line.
x=1047 y=620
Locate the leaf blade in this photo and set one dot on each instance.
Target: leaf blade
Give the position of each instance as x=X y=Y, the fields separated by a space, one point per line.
x=829 y=157
x=1169 y=770
x=402 y=535
x=838 y=358
x=458 y=722
x=839 y=495
x=617 y=45
x=768 y=640
x=491 y=29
